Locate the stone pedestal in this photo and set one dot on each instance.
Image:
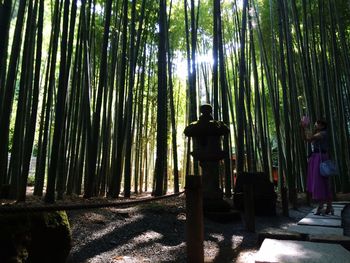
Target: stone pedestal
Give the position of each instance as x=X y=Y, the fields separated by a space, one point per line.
x=210 y=173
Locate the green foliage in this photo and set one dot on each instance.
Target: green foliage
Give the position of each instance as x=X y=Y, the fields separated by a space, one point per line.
x=205 y=24
x=31 y=180
x=177 y=28
x=315 y=68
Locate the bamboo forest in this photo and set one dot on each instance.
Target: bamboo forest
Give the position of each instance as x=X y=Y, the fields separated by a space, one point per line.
x=95 y=95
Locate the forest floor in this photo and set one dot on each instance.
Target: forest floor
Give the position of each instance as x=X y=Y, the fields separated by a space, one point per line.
x=155 y=232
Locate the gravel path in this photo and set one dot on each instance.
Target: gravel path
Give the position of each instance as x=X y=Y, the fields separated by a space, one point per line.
x=155 y=232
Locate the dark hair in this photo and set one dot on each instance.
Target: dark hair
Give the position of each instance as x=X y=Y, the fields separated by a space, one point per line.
x=322 y=122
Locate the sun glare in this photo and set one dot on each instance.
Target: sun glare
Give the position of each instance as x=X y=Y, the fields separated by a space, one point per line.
x=180 y=63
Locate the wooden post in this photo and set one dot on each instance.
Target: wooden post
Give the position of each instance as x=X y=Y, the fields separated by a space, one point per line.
x=194 y=219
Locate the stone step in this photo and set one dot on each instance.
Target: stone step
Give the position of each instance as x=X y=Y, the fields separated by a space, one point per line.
x=338 y=205
x=316 y=230
x=284 y=234
x=288 y=251
x=320 y=221
x=341 y=203
x=334 y=239
x=280 y=234
x=312 y=215
x=337 y=211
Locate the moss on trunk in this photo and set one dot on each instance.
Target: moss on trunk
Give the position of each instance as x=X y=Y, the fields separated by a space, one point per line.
x=35 y=237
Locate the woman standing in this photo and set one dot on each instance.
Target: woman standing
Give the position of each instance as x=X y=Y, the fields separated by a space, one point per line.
x=318 y=185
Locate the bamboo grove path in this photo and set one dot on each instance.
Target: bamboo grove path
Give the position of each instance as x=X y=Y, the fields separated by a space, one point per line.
x=315 y=238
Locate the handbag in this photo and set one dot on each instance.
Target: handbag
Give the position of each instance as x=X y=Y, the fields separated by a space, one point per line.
x=328 y=167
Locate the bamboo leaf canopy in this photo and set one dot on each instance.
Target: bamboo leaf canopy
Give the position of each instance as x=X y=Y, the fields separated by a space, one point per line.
x=93 y=94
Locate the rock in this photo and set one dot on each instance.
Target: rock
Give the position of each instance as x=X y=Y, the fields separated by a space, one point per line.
x=265 y=197
x=35 y=237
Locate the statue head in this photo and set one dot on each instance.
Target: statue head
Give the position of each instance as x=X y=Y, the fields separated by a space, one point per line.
x=206 y=111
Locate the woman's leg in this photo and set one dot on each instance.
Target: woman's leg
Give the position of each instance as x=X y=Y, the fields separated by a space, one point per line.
x=319 y=210
x=329 y=209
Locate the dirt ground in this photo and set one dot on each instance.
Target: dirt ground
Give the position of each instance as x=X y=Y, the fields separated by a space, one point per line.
x=155 y=232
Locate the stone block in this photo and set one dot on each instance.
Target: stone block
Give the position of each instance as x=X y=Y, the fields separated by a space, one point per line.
x=264 y=193
x=316 y=230
x=333 y=239
x=320 y=221
x=279 y=234
x=290 y=251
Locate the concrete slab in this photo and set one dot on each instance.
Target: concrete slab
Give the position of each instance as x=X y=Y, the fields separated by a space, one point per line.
x=337 y=211
x=346 y=221
x=288 y=251
x=320 y=222
x=280 y=234
x=341 y=203
x=340 y=206
x=312 y=215
x=316 y=230
x=340 y=240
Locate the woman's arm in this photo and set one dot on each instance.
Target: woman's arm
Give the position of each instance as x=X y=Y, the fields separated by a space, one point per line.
x=310 y=137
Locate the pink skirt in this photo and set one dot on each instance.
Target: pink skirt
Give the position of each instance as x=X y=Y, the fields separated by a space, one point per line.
x=318 y=185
